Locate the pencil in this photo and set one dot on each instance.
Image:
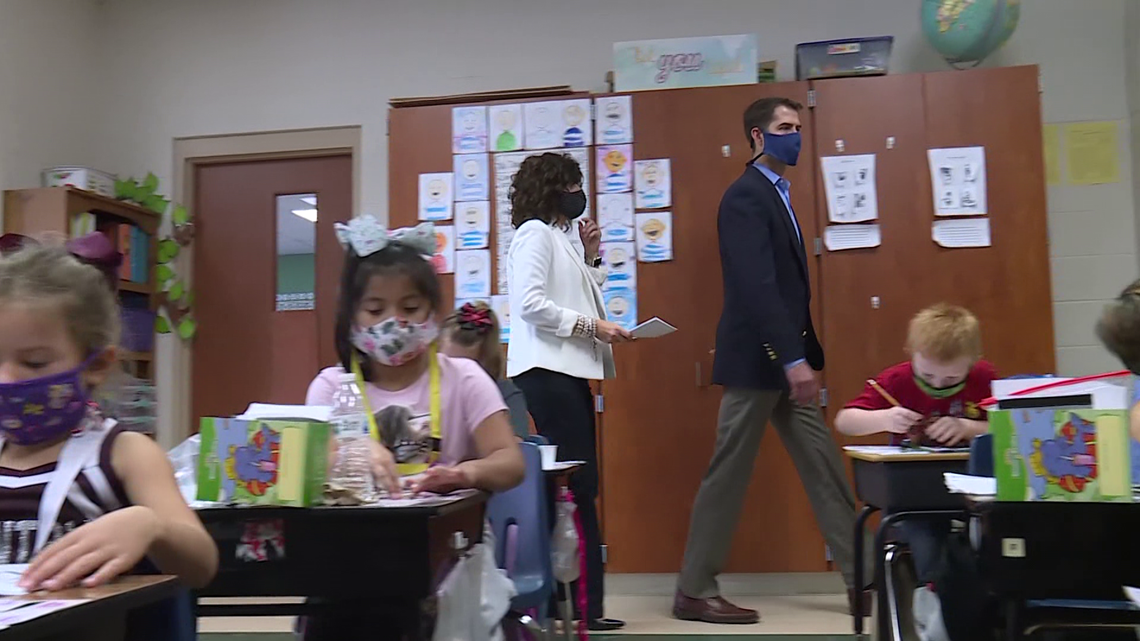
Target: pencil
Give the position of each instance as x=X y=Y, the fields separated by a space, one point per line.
x=882 y=392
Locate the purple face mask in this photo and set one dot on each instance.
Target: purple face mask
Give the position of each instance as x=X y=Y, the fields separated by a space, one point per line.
x=44 y=409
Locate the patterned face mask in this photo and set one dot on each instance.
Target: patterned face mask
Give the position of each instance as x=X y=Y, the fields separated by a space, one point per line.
x=44 y=409
x=395 y=341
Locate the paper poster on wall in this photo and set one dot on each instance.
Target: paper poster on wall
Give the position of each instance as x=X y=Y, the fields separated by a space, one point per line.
x=958 y=176
x=472 y=224
x=615 y=217
x=444 y=258
x=471 y=177
x=506 y=166
x=506 y=123
x=843 y=237
x=654 y=236
x=502 y=258
x=1092 y=153
x=581 y=155
x=614 y=120
x=849 y=182
x=576 y=128
x=621 y=306
x=473 y=273
x=964 y=232
x=435 y=197
x=542 y=122
x=501 y=305
x=654 y=183
x=619 y=260
x=468 y=130
x=615 y=171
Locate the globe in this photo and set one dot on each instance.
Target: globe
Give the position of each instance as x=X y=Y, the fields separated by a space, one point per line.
x=966 y=31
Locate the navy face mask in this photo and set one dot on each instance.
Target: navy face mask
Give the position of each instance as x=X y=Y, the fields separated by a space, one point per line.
x=783 y=147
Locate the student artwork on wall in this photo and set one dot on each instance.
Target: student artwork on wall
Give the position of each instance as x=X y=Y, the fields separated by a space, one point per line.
x=471 y=177
x=468 y=130
x=473 y=273
x=654 y=237
x=473 y=224
x=576 y=128
x=542 y=122
x=621 y=306
x=435 y=197
x=582 y=157
x=444 y=258
x=614 y=120
x=501 y=305
x=958 y=176
x=619 y=260
x=654 y=184
x=849 y=182
x=615 y=173
x=506 y=127
x=615 y=217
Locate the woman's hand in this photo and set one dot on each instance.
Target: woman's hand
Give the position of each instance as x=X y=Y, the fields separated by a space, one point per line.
x=609 y=332
x=441 y=480
x=591 y=238
x=96 y=552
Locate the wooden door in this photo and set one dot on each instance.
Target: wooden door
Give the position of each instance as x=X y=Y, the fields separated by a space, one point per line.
x=659 y=424
x=246 y=351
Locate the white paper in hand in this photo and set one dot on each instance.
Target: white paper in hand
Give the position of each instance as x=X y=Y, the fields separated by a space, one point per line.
x=652 y=328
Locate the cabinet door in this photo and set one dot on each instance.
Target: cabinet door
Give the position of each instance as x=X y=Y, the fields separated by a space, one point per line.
x=659 y=424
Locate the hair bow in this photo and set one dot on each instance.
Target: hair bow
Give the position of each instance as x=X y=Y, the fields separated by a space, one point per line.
x=474 y=318
x=366 y=235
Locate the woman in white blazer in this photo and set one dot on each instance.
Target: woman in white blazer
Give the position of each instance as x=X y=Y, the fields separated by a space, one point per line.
x=560 y=338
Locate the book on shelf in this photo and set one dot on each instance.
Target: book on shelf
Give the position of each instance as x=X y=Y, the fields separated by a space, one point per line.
x=129 y=240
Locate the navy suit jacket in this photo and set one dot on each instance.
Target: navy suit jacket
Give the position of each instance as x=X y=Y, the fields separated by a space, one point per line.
x=766 y=321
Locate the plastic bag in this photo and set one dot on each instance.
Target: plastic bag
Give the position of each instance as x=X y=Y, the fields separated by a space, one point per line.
x=184 y=458
x=498 y=589
x=564 y=545
x=457 y=616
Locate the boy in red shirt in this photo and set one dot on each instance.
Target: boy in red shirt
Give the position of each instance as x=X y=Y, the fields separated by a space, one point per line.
x=932 y=399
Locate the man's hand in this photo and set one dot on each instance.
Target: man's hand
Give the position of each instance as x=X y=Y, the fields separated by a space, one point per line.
x=803 y=385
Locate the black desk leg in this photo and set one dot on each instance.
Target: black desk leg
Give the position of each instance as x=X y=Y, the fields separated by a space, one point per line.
x=860 y=582
x=1013 y=631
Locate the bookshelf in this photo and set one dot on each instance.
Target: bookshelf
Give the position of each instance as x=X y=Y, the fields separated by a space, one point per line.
x=52 y=210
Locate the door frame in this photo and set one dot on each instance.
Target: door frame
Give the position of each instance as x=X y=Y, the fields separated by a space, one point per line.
x=174 y=358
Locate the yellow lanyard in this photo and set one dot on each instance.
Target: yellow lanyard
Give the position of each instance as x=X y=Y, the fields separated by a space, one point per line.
x=374 y=429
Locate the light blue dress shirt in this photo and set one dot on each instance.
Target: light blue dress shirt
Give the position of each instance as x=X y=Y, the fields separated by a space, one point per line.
x=783 y=187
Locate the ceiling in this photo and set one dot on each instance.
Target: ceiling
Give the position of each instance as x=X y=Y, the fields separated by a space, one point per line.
x=295 y=235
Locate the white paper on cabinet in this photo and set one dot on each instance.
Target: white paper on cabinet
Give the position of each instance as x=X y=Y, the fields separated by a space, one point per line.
x=506 y=124
x=444 y=258
x=615 y=169
x=473 y=224
x=615 y=217
x=958 y=179
x=619 y=260
x=654 y=183
x=654 y=236
x=435 y=197
x=614 y=120
x=473 y=274
x=468 y=130
x=842 y=237
x=501 y=304
x=472 y=177
x=849 y=182
x=965 y=232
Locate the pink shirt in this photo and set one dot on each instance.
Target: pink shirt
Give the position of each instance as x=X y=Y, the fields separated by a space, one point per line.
x=467 y=397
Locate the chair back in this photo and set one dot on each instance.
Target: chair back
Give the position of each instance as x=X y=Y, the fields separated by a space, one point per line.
x=520 y=520
x=981 y=456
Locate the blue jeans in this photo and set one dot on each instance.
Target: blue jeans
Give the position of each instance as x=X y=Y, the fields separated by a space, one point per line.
x=926 y=539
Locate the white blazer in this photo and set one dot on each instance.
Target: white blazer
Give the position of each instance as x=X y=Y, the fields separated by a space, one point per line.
x=550 y=286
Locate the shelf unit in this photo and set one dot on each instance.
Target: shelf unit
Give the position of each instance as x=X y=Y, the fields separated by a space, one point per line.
x=51 y=209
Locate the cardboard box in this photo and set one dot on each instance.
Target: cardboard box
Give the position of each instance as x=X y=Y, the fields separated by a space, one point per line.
x=1064 y=444
x=263 y=462
x=94 y=180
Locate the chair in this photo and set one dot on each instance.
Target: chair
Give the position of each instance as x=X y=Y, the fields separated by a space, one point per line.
x=172 y=620
x=981 y=456
x=520 y=521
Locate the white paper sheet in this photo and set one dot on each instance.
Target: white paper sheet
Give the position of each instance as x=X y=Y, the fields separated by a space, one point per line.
x=843 y=237
x=652 y=328
x=614 y=120
x=963 y=232
x=501 y=304
x=10 y=574
x=619 y=260
x=468 y=130
x=35 y=610
x=967 y=484
x=1133 y=594
x=472 y=177
x=849 y=182
x=654 y=183
x=958 y=178
x=621 y=306
x=262 y=411
x=542 y=122
x=615 y=169
x=435 y=197
x=654 y=236
x=472 y=224
x=615 y=217
x=444 y=258
x=576 y=130
x=506 y=127
x=503 y=240
x=473 y=273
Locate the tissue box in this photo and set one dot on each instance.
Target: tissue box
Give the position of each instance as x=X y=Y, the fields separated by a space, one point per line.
x=262 y=462
x=1064 y=444
x=94 y=180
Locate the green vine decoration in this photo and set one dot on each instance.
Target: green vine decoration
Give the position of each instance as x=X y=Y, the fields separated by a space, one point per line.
x=175 y=300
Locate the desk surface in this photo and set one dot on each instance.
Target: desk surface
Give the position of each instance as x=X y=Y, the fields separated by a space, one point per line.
x=385 y=508
x=104 y=604
x=895 y=454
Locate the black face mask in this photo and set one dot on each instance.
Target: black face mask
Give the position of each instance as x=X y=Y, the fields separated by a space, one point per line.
x=573 y=204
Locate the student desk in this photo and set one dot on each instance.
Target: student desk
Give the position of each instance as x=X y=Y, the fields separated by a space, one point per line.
x=105 y=610
x=395 y=555
x=1040 y=550
x=908 y=484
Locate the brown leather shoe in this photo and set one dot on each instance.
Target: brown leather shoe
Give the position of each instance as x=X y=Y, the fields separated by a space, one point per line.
x=868 y=600
x=714 y=610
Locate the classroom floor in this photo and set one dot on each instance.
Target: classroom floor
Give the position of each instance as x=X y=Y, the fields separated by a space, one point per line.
x=805 y=607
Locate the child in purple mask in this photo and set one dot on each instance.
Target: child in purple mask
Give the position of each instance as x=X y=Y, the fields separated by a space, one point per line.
x=81 y=500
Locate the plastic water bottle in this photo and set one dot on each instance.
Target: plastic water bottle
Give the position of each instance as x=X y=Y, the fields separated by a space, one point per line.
x=352 y=471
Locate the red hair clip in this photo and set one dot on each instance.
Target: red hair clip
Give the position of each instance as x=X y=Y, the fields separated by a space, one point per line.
x=474 y=318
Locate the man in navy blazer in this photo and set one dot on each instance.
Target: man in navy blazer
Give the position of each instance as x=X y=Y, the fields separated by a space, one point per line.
x=767 y=354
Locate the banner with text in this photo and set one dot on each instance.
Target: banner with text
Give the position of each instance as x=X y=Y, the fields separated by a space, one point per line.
x=685 y=62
